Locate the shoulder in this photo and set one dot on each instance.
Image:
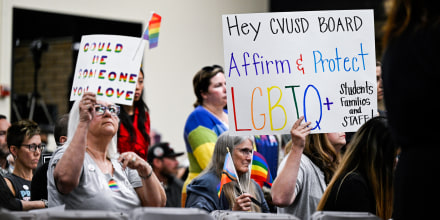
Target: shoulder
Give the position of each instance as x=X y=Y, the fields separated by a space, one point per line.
x=306 y=163
x=10 y=179
x=354 y=179
x=206 y=182
x=352 y=184
x=197 y=114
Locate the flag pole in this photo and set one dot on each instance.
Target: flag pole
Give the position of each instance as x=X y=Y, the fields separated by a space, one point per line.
x=238 y=180
x=142 y=36
x=250 y=169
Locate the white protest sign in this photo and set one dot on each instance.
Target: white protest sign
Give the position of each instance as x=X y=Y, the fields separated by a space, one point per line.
x=318 y=64
x=108 y=65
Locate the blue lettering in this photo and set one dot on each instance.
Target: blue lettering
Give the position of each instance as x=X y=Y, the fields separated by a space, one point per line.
x=244 y=61
x=233 y=67
x=334 y=63
x=320 y=106
x=320 y=60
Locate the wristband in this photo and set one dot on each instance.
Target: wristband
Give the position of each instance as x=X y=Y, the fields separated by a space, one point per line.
x=148 y=176
x=45 y=203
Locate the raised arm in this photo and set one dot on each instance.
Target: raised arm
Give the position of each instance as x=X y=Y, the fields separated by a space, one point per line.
x=283 y=187
x=68 y=169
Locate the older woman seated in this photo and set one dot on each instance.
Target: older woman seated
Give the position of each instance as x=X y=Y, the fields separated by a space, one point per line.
x=86 y=173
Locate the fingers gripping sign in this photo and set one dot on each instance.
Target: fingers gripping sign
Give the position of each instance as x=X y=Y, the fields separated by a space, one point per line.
x=299 y=132
x=86 y=104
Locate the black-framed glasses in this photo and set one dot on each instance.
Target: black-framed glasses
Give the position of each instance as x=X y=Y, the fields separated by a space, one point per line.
x=33 y=147
x=245 y=152
x=113 y=109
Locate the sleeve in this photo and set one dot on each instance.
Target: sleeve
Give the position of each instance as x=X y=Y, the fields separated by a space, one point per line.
x=301 y=176
x=197 y=201
x=52 y=164
x=202 y=141
x=133 y=178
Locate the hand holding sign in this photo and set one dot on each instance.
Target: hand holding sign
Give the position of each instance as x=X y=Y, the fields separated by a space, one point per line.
x=318 y=64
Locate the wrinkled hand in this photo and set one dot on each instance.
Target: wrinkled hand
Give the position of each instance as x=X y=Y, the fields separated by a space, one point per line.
x=299 y=132
x=135 y=162
x=243 y=202
x=86 y=105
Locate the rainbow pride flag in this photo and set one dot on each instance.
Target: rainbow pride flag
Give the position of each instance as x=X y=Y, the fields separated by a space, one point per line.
x=152 y=32
x=229 y=173
x=260 y=170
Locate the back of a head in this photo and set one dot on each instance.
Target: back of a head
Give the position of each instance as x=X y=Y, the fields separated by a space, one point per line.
x=60 y=128
x=372 y=148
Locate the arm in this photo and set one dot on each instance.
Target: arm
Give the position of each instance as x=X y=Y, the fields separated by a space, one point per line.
x=68 y=169
x=151 y=193
x=28 y=205
x=283 y=188
x=202 y=141
x=14 y=203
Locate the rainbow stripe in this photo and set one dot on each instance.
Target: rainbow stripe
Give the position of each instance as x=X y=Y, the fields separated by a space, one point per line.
x=228 y=174
x=152 y=32
x=113 y=185
x=260 y=170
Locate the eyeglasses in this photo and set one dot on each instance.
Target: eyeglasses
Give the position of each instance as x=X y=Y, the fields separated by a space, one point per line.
x=245 y=152
x=33 y=147
x=113 y=109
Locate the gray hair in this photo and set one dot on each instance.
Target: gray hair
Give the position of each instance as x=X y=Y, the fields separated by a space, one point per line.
x=224 y=142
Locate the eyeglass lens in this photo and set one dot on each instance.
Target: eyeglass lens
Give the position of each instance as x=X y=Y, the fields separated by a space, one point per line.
x=100 y=109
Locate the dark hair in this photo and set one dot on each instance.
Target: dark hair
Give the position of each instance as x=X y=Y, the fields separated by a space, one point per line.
x=417 y=14
x=372 y=153
x=202 y=80
x=2 y=116
x=126 y=120
x=60 y=128
x=20 y=130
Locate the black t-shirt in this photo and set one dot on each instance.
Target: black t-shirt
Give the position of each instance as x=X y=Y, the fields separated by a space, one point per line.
x=7 y=200
x=21 y=186
x=354 y=194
